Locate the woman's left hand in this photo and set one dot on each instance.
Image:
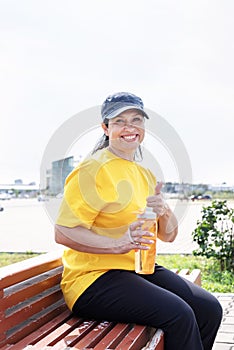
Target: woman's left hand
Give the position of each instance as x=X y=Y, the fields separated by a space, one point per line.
x=167 y=222
x=157 y=201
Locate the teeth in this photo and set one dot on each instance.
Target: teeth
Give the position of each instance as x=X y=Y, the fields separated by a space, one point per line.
x=129 y=137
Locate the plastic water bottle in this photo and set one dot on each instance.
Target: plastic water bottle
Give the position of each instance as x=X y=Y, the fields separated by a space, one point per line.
x=145 y=259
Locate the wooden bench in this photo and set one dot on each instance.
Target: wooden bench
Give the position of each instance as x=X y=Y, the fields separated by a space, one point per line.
x=33 y=314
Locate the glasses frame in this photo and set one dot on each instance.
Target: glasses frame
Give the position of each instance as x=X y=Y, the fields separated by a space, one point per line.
x=121 y=122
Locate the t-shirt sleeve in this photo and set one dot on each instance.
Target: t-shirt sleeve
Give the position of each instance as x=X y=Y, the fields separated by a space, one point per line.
x=82 y=202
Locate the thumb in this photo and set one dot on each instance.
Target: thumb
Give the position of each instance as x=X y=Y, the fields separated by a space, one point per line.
x=158 y=187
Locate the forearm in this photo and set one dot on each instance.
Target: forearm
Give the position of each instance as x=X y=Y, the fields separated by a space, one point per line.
x=167 y=226
x=85 y=240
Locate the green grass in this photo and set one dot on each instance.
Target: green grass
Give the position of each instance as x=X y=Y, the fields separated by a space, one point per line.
x=11 y=258
x=212 y=279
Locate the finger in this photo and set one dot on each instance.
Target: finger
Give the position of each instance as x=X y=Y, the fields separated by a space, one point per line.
x=151 y=199
x=138 y=234
x=136 y=224
x=158 y=187
x=145 y=240
x=138 y=240
x=157 y=198
x=141 y=247
x=154 y=201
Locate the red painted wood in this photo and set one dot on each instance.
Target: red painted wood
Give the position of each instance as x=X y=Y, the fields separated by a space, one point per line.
x=58 y=333
x=18 y=272
x=22 y=293
x=51 y=324
x=96 y=332
x=113 y=337
x=38 y=328
x=27 y=311
x=135 y=339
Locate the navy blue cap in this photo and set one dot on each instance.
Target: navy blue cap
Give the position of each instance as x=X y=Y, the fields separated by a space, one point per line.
x=119 y=102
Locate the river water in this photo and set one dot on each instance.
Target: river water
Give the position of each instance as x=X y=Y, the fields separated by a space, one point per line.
x=27 y=225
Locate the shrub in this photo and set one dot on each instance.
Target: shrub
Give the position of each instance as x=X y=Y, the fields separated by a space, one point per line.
x=214 y=234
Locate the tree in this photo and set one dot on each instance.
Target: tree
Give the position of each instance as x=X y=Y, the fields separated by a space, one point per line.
x=215 y=234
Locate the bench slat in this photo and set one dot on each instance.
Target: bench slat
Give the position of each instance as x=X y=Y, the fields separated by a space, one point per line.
x=29 y=290
x=57 y=334
x=113 y=337
x=39 y=331
x=18 y=272
x=25 y=331
x=156 y=342
x=98 y=331
x=84 y=343
x=27 y=311
x=135 y=339
x=94 y=336
x=193 y=276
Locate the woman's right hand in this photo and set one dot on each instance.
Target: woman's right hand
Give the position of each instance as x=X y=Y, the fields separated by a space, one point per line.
x=136 y=238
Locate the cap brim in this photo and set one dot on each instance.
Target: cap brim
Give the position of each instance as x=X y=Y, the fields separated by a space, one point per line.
x=123 y=109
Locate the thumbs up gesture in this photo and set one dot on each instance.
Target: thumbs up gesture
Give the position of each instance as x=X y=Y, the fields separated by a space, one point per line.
x=158 y=187
x=157 y=201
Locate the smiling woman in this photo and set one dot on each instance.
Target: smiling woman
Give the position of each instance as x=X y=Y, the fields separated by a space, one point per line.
x=98 y=222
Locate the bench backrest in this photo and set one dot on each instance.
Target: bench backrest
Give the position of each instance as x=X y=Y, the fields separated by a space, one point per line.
x=30 y=296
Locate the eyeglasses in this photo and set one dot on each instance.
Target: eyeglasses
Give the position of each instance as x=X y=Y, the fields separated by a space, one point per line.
x=137 y=121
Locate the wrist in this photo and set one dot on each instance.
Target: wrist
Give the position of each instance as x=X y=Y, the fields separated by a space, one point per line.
x=164 y=210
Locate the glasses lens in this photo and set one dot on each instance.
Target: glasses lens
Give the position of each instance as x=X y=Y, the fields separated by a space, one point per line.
x=135 y=121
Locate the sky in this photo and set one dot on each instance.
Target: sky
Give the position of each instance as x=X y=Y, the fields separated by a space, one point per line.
x=58 y=58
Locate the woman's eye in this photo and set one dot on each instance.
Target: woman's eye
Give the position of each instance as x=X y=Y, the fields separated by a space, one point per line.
x=137 y=120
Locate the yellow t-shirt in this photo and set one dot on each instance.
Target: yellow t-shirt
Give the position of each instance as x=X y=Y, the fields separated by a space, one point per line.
x=104 y=194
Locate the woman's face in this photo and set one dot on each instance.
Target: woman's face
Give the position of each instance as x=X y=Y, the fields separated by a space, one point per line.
x=126 y=131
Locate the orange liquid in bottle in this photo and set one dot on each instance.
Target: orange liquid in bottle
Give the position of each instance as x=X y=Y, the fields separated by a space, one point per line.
x=145 y=259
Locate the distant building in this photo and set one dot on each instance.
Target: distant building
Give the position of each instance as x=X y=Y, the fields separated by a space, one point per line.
x=224 y=187
x=18 y=190
x=56 y=176
x=18 y=182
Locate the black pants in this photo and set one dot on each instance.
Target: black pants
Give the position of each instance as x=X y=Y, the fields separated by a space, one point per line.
x=188 y=315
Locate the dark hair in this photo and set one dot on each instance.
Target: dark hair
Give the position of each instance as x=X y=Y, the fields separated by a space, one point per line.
x=103 y=142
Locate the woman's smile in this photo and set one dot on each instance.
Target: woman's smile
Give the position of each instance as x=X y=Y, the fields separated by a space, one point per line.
x=130 y=137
